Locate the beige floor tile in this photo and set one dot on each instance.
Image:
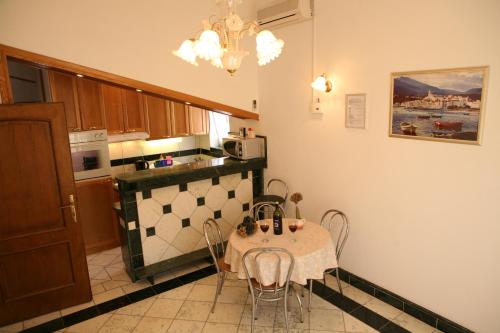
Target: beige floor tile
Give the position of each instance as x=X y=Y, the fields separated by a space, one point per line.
x=103 y=259
x=192 y=310
x=233 y=295
x=294 y=320
x=139 y=285
x=112 y=284
x=413 y=324
x=316 y=331
x=95 y=282
x=265 y=315
x=323 y=319
x=359 y=296
x=383 y=309
x=153 y=325
x=76 y=308
x=180 y=293
x=115 y=251
x=112 y=329
x=291 y=330
x=203 y=293
x=257 y=329
x=16 y=327
x=102 y=275
x=226 y=313
x=186 y=326
x=210 y=280
x=108 y=295
x=220 y=328
x=41 y=319
x=164 y=308
x=123 y=322
x=331 y=281
x=97 y=289
x=354 y=325
x=88 y=326
x=137 y=309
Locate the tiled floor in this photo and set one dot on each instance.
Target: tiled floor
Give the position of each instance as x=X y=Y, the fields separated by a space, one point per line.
x=187 y=308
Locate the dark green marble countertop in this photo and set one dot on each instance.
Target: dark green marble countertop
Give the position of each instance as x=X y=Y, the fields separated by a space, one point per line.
x=185 y=173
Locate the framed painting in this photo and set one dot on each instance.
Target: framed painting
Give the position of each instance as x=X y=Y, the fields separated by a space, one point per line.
x=439 y=105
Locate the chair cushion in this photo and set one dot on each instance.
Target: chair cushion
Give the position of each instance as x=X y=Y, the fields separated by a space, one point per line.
x=223 y=266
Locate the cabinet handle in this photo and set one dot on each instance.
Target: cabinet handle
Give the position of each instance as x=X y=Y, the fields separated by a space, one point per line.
x=72 y=207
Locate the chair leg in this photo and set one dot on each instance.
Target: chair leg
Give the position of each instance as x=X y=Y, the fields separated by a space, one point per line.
x=324 y=279
x=310 y=294
x=300 y=305
x=254 y=312
x=302 y=291
x=220 y=281
x=338 y=280
x=285 y=305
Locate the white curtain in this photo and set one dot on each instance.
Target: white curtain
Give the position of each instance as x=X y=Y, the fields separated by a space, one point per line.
x=219 y=128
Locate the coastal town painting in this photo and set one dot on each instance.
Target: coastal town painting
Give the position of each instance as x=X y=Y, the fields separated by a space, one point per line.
x=443 y=105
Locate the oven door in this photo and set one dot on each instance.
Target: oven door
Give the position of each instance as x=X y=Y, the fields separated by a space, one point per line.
x=90 y=160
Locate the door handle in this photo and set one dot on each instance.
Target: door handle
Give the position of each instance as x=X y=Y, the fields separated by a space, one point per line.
x=72 y=207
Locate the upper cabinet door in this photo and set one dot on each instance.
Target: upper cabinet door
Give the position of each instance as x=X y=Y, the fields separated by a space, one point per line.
x=113 y=108
x=63 y=89
x=180 y=119
x=133 y=111
x=158 y=117
x=90 y=101
x=198 y=121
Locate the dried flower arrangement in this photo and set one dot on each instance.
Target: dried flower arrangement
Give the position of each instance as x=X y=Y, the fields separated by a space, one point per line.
x=296 y=198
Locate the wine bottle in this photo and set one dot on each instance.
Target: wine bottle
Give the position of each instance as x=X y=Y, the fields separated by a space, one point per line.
x=277 y=221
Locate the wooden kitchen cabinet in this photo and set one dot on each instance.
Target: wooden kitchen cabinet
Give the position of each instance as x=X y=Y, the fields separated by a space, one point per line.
x=133 y=111
x=180 y=119
x=63 y=89
x=90 y=102
x=198 y=121
x=113 y=108
x=97 y=217
x=158 y=115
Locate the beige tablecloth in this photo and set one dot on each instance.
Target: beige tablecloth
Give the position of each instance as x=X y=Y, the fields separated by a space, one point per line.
x=314 y=252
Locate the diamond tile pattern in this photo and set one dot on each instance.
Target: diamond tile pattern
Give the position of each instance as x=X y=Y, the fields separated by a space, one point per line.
x=177 y=214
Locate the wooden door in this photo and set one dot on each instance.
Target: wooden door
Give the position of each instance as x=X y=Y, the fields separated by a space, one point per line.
x=90 y=102
x=158 y=117
x=133 y=111
x=198 y=121
x=112 y=103
x=180 y=119
x=63 y=89
x=42 y=260
x=97 y=217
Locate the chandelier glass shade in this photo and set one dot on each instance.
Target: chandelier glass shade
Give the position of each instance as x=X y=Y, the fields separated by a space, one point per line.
x=219 y=43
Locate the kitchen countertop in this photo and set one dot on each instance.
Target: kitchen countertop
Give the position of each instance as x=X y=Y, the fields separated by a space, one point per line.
x=184 y=173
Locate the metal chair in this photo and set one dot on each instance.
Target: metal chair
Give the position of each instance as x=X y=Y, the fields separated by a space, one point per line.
x=273 y=292
x=215 y=243
x=337 y=224
x=279 y=195
x=264 y=210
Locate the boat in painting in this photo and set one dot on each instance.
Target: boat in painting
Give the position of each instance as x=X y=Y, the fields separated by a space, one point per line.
x=449 y=125
x=408 y=128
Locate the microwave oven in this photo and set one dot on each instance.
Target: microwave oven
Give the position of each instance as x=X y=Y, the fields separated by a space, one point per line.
x=243 y=148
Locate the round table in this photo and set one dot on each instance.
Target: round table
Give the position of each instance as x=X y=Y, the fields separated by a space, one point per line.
x=314 y=252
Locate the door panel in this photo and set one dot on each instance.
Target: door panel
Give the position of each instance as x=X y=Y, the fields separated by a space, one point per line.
x=134 y=111
x=90 y=102
x=158 y=117
x=113 y=108
x=42 y=259
x=197 y=121
x=180 y=119
x=63 y=89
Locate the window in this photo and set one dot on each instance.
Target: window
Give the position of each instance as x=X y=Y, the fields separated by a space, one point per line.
x=219 y=128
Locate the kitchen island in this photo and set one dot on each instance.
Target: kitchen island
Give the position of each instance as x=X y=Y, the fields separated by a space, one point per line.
x=162 y=210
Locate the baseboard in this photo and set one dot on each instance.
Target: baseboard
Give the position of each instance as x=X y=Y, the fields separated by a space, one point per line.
x=415 y=310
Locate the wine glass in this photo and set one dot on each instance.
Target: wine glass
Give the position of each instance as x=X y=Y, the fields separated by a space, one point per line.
x=264 y=226
x=293 y=227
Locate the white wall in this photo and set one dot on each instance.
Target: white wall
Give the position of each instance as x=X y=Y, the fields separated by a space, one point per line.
x=425 y=215
x=129 y=38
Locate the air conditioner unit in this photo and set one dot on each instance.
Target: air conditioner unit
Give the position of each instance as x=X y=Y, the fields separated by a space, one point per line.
x=284 y=13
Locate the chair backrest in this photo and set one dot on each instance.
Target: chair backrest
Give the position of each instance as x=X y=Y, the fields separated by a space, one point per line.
x=264 y=210
x=278 y=186
x=337 y=224
x=275 y=255
x=215 y=242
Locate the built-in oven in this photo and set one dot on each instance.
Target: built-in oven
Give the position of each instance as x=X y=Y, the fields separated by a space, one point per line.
x=90 y=154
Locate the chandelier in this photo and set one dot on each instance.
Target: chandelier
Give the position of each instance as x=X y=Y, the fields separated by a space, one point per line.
x=219 y=42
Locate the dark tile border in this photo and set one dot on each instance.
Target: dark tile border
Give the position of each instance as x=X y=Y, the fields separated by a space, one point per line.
x=415 y=310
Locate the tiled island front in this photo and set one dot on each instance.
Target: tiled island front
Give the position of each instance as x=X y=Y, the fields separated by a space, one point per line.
x=163 y=210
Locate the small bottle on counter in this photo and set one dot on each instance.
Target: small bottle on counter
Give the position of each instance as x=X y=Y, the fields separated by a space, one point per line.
x=250 y=133
x=277 y=220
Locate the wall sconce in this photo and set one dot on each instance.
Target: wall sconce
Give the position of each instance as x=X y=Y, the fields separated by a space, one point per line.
x=322 y=83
